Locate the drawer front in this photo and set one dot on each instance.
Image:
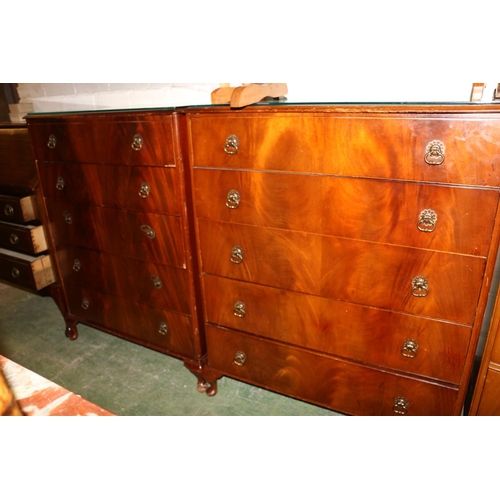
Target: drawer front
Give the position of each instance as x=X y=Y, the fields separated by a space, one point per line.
x=136 y=188
x=381 y=146
x=18 y=210
x=418 y=215
x=490 y=399
x=24 y=239
x=34 y=273
x=416 y=345
x=97 y=140
x=142 y=281
x=139 y=235
x=330 y=382
x=356 y=271
x=154 y=327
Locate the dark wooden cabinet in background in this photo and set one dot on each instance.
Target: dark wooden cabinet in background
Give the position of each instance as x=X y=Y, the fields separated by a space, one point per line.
x=338 y=254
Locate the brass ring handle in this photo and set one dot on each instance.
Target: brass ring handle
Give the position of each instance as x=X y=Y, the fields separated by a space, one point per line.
x=233 y=199
x=400 y=405
x=52 y=141
x=239 y=358
x=150 y=233
x=427 y=220
x=156 y=281
x=232 y=144
x=137 y=142
x=14 y=239
x=77 y=265
x=240 y=309
x=144 y=190
x=67 y=217
x=85 y=303
x=8 y=210
x=419 y=286
x=60 y=183
x=15 y=272
x=410 y=348
x=237 y=255
x=434 y=153
x=163 y=330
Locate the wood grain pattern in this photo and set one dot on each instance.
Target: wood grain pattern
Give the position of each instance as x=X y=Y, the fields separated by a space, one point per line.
x=355 y=271
x=359 y=333
x=29 y=272
x=112 y=186
x=381 y=145
x=129 y=278
x=363 y=209
x=347 y=387
x=104 y=138
x=489 y=398
x=119 y=231
x=131 y=320
x=25 y=239
x=19 y=210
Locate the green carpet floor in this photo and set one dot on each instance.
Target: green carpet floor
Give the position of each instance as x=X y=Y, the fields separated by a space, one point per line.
x=122 y=377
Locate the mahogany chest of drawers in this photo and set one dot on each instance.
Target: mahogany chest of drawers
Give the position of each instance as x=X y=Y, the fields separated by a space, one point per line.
x=346 y=252
x=24 y=258
x=115 y=199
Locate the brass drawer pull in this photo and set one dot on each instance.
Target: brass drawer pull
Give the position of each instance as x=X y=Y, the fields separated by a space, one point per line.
x=67 y=217
x=434 y=153
x=60 y=183
x=15 y=272
x=163 y=330
x=400 y=406
x=232 y=144
x=14 y=239
x=77 y=265
x=410 y=348
x=52 y=141
x=239 y=358
x=237 y=255
x=240 y=309
x=8 y=210
x=427 y=220
x=156 y=281
x=144 y=190
x=85 y=303
x=137 y=142
x=233 y=199
x=419 y=286
x=149 y=231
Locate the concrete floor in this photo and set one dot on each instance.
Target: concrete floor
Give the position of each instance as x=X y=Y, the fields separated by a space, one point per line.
x=122 y=377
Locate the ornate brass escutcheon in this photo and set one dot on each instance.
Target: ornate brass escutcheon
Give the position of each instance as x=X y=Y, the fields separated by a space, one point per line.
x=232 y=144
x=163 y=330
x=77 y=265
x=52 y=141
x=410 y=348
x=149 y=231
x=144 y=190
x=427 y=220
x=137 y=142
x=239 y=358
x=67 y=217
x=419 y=286
x=14 y=239
x=85 y=303
x=15 y=272
x=156 y=281
x=240 y=309
x=60 y=183
x=8 y=210
x=233 y=199
x=400 y=406
x=434 y=153
x=237 y=255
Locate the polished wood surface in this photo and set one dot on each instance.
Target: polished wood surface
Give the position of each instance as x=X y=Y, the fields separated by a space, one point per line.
x=29 y=272
x=364 y=209
x=20 y=210
x=26 y=239
x=488 y=403
x=338 y=384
